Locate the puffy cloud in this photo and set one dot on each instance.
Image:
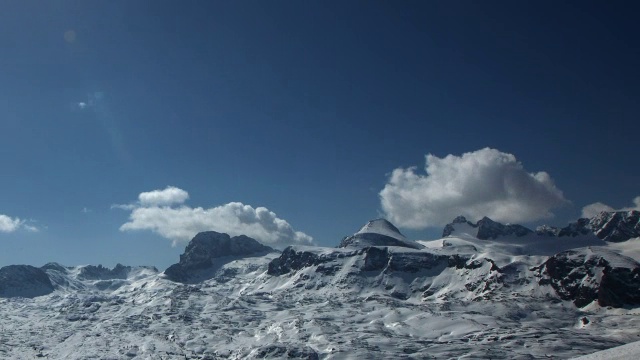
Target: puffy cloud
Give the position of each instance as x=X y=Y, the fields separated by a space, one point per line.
x=8 y=224
x=169 y=196
x=158 y=211
x=594 y=209
x=485 y=182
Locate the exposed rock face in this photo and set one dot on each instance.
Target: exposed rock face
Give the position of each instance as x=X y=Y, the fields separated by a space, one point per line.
x=206 y=248
x=613 y=226
x=24 y=281
x=616 y=226
x=450 y=228
x=374 y=259
x=487 y=228
x=379 y=232
x=91 y=272
x=580 y=227
x=589 y=274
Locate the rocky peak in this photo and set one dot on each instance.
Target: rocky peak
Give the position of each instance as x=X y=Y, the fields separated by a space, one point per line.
x=207 y=247
x=616 y=226
x=487 y=228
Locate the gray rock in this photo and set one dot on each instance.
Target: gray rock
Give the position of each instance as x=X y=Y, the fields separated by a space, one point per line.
x=208 y=250
x=487 y=228
x=24 y=281
x=589 y=274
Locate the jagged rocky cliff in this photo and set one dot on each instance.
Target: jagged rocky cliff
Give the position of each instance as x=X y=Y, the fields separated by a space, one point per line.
x=207 y=251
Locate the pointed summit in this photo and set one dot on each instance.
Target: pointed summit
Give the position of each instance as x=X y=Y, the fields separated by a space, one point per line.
x=382 y=227
x=378 y=232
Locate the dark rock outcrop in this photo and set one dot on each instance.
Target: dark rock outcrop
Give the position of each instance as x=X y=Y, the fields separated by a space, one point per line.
x=374 y=259
x=293 y=259
x=450 y=228
x=91 y=272
x=579 y=227
x=616 y=226
x=24 y=281
x=487 y=228
x=593 y=274
x=613 y=226
x=208 y=250
x=284 y=351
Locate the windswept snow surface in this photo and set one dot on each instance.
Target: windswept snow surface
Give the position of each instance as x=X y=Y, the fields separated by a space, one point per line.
x=457 y=298
x=625 y=352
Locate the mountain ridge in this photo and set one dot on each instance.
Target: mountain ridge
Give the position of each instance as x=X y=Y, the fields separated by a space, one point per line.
x=611 y=226
x=501 y=297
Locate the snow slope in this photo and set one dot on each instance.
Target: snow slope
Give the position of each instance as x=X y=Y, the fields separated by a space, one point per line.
x=454 y=298
x=629 y=351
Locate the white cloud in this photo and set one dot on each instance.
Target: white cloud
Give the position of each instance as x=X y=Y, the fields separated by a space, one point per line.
x=594 y=209
x=31 y=228
x=169 y=196
x=160 y=211
x=9 y=224
x=485 y=182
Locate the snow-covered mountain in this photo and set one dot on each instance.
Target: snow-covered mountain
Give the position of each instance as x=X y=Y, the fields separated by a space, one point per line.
x=614 y=226
x=379 y=232
x=485 y=290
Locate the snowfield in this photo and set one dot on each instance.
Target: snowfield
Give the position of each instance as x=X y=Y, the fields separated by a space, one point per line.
x=456 y=298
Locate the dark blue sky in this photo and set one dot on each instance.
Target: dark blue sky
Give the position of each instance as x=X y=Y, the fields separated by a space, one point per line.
x=303 y=107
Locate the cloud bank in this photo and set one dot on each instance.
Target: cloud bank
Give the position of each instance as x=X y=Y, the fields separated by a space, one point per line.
x=164 y=212
x=594 y=209
x=9 y=224
x=485 y=182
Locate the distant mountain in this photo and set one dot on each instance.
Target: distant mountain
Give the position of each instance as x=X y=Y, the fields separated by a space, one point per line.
x=208 y=250
x=485 y=290
x=378 y=232
x=487 y=228
x=614 y=226
x=24 y=281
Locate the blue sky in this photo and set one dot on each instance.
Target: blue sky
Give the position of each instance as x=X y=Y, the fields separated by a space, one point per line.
x=308 y=109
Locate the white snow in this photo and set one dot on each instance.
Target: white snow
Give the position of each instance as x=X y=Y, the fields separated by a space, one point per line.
x=333 y=309
x=382 y=227
x=629 y=351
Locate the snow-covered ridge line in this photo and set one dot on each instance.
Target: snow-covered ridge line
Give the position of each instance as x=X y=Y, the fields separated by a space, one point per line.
x=380 y=295
x=613 y=226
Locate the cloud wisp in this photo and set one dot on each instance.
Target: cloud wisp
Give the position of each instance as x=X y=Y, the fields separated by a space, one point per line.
x=485 y=182
x=9 y=224
x=164 y=213
x=594 y=209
